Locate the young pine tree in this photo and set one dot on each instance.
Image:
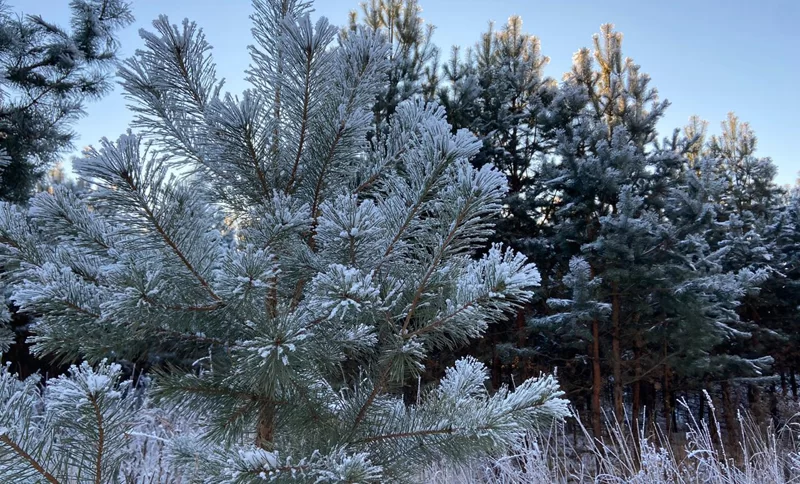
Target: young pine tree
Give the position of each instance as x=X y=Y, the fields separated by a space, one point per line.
x=306 y=274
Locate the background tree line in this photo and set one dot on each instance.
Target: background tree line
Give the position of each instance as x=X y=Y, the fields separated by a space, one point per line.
x=669 y=261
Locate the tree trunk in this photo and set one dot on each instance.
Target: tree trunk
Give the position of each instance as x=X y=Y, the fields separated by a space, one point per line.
x=636 y=403
x=522 y=341
x=729 y=411
x=673 y=407
x=701 y=407
x=713 y=418
x=496 y=364
x=265 y=427
x=793 y=383
x=649 y=400
x=666 y=393
x=616 y=358
x=784 y=387
x=754 y=402
x=596 y=380
x=773 y=407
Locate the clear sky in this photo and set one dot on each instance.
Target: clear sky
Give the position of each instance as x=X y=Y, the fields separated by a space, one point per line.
x=707 y=57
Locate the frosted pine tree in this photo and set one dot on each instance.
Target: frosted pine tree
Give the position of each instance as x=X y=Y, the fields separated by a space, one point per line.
x=782 y=304
x=412 y=57
x=498 y=90
x=47 y=75
x=288 y=279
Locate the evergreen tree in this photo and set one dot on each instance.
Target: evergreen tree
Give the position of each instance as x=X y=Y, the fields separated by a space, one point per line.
x=47 y=73
x=302 y=274
x=603 y=165
x=669 y=296
x=412 y=56
x=78 y=431
x=780 y=302
x=749 y=205
x=500 y=93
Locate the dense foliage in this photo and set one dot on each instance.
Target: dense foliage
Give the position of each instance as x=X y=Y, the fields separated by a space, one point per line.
x=665 y=263
x=47 y=73
x=300 y=269
x=287 y=276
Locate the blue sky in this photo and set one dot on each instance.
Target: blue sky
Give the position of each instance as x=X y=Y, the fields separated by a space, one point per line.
x=707 y=57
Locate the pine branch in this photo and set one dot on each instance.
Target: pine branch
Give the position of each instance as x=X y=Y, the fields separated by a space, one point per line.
x=378 y=388
x=100 y=439
x=441 y=321
x=254 y=158
x=434 y=264
x=165 y=236
x=376 y=176
x=226 y=392
x=79 y=309
x=28 y=458
x=329 y=157
x=193 y=337
x=303 y=122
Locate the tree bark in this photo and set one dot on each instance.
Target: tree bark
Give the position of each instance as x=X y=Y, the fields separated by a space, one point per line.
x=265 y=427
x=755 y=403
x=616 y=359
x=596 y=380
x=701 y=407
x=522 y=341
x=496 y=363
x=636 y=402
x=729 y=411
x=666 y=393
x=784 y=387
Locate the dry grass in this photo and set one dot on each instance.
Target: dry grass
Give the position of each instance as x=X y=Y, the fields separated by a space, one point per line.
x=763 y=455
x=628 y=455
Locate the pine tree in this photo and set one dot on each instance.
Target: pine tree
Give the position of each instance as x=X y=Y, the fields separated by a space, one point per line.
x=780 y=296
x=293 y=277
x=668 y=297
x=47 y=73
x=13 y=336
x=77 y=431
x=499 y=92
x=602 y=165
x=413 y=59
x=749 y=204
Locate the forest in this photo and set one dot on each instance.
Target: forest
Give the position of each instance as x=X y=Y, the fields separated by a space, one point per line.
x=383 y=263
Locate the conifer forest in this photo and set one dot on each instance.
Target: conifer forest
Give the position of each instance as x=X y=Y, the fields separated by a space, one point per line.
x=386 y=260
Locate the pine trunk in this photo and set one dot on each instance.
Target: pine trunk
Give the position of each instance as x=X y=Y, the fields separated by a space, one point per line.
x=619 y=408
x=636 y=403
x=701 y=407
x=755 y=403
x=666 y=393
x=496 y=364
x=596 y=380
x=729 y=410
x=521 y=343
x=713 y=418
x=265 y=427
x=784 y=387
